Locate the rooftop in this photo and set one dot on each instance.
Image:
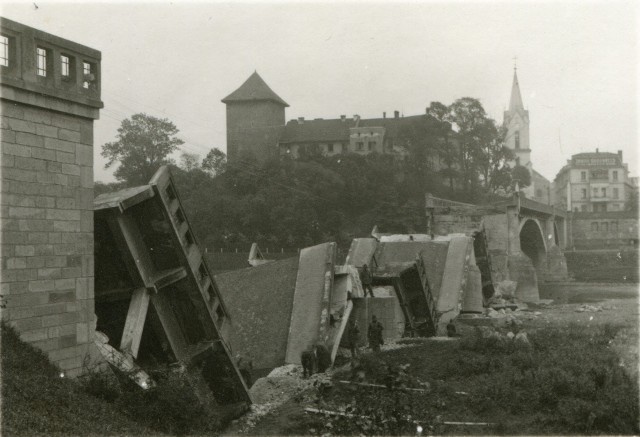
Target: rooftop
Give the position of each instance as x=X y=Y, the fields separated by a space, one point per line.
x=254 y=89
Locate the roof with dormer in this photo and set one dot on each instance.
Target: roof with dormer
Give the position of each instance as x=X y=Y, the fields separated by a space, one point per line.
x=254 y=89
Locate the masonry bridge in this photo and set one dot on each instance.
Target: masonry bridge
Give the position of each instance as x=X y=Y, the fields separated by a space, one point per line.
x=517 y=239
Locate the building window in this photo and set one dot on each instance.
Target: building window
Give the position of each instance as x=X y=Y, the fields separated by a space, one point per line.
x=4 y=51
x=64 y=64
x=604 y=192
x=614 y=226
x=330 y=147
x=583 y=175
x=615 y=175
x=595 y=192
x=86 y=70
x=616 y=193
x=360 y=145
x=584 y=208
x=41 y=68
x=371 y=144
x=517 y=139
x=605 y=227
x=594 y=226
x=584 y=193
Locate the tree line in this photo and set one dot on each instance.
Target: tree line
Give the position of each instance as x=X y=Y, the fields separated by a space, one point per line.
x=456 y=152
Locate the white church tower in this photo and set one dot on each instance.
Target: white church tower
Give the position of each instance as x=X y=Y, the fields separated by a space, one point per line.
x=516 y=120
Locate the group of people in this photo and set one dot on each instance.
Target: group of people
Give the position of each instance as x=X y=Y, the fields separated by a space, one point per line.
x=374 y=335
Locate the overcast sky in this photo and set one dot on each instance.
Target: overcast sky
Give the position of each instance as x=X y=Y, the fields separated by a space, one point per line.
x=577 y=63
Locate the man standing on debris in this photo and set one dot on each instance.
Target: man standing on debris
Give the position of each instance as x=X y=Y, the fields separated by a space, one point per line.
x=375 y=334
x=353 y=336
x=366 y=279
x=309 y=361
x=245 y=367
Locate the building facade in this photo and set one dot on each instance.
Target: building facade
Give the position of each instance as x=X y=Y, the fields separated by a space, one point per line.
x=50 y=96
x=593 y=182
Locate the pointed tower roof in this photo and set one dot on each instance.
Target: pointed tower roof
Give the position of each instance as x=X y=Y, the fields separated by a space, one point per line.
x=254 y=89
x=516 y=98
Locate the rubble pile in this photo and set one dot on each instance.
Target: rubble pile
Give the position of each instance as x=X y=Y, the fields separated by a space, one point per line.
x=589 y=309
x=270 y=392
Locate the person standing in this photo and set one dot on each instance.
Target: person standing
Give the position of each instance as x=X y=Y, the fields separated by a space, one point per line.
x=367 y=280
x=375 y=334
x=353 y=335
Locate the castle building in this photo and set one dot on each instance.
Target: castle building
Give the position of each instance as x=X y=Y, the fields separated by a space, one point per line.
x=593 y=182
x=255 y=119
x=516 y=120
x=256 y=126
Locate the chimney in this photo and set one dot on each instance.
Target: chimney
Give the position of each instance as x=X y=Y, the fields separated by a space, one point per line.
x=356 y=118
x=343 y=117
x=597 y=151
x=396 y=114
x=620 y=155
x=384 y=115
x=300 y=120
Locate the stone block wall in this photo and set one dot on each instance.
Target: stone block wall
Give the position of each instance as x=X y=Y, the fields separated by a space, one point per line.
x=46 y=185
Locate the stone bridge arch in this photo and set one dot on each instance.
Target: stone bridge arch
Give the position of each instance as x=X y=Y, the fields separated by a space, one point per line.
x=533 y=241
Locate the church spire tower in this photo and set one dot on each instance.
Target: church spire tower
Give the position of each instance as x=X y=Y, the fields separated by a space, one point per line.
x=516 y=120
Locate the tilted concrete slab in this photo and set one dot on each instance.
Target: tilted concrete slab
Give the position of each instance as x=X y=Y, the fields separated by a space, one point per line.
x=312 y=299
x=434 y=257
x=453 y=280
x=361 y=252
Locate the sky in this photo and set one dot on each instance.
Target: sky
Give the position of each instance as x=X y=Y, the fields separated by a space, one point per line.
x=577 y=63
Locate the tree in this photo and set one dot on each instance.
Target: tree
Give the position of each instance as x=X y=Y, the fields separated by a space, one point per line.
x=215 y=162
x=521 y=174
x=446 y=149
x=143 y=145
x=189 y=161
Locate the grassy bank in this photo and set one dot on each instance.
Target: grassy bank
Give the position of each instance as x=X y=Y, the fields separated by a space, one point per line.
x=36 y=401
x=568 y=381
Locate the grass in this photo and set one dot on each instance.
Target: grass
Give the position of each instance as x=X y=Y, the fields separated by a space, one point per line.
x=36 y=401
x=568 y=382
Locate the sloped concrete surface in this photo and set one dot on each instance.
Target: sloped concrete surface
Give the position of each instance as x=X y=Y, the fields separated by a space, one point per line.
x=454 y=280
x=315 y=262
x=361 y=251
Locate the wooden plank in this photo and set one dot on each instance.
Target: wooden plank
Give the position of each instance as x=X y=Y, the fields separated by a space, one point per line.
x=135 y=245
x=136 y=316
x=170 y=325
x=364 y=384
x=121 y=243
x=168 y=277
x=123 y=199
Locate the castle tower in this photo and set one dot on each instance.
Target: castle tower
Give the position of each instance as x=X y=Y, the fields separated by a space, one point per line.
x=516 y=120
x=255 y=117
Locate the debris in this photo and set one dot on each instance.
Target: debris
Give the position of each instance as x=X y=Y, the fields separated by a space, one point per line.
x=462 y=393
x=522 y=341
x=469 y=423
x=506 y=289
x=365 y=384
x=589 y=308
x=286 y=370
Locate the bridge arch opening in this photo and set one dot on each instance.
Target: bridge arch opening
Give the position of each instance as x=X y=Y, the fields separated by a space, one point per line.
x=532 y=242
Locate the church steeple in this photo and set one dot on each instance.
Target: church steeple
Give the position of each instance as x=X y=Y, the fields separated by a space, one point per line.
x=516 y=120
x=516 y=98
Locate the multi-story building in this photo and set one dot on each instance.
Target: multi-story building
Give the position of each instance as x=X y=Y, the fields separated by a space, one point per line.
x=256 y=124
x=593 y=182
